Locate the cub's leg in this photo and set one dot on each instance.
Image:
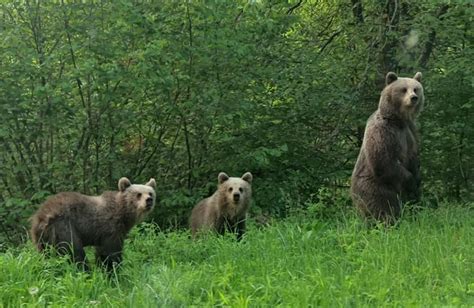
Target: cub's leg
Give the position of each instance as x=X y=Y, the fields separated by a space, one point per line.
x=65 y=239
x=109 y=253
x=240 y=228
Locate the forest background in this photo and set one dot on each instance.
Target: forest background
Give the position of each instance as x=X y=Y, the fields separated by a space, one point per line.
x=181 y=90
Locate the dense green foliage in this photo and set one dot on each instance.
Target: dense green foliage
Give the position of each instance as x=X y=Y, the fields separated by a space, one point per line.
x=181 y=90
x=427 y=261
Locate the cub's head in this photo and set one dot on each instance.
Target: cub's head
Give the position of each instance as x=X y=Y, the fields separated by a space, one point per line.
x=237 y=191
x=139 y=197
x=402 y=97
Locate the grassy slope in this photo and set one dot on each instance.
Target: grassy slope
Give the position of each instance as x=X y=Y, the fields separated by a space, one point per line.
x=428 y=262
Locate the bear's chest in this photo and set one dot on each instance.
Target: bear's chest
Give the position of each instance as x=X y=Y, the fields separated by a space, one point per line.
x=408 y=145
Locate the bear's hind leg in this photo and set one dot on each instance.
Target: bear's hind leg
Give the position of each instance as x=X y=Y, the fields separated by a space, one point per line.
x=388 y=210
x=378 y=205
x=109 y=254
x=68 y=242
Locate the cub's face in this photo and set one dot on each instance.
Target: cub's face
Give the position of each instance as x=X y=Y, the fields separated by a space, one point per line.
x=405 y=95
x=141 y=197
x=237 y=191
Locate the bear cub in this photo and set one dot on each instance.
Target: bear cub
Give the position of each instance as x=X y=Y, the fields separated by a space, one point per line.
x=226 y=209
x=69 y=221
x=387 y=171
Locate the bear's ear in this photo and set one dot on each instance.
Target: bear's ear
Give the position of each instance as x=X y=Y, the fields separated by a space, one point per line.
x=222 y=178
x=391 y=77
x=151 y=183
x=247 y=177
x=418 y=77
x=123 y=184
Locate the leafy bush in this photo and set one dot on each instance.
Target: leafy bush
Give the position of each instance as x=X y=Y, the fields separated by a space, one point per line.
x=179 y=91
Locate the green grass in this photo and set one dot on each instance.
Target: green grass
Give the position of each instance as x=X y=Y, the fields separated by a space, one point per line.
x=300 y=262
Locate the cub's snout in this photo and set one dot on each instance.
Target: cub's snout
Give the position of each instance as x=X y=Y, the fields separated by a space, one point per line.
x=236 y=197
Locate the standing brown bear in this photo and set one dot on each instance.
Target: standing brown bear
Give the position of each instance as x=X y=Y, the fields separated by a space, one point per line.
x=226 y=209
x=69 y=221
x=387 y=171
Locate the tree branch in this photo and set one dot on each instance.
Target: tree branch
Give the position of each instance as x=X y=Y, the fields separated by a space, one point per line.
x=358 y=11
x=331 y=38
x=430 y=43
x=294 y=7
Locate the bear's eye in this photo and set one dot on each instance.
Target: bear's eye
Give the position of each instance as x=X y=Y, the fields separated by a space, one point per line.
x=404 y=90
x=139 y=195
x=415 y=90
x=230 y=189
x=240 y=189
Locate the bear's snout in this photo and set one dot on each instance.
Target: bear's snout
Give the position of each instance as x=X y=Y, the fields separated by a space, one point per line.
x=149 y=202
x=414 y=99
x=236 y=197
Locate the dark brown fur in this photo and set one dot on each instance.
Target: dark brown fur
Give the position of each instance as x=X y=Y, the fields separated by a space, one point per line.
x=69 y=221
x=226 y=209
x=387 y=172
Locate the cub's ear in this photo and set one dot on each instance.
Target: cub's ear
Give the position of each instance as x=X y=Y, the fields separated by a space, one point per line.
x=222 y=178
x=151 y=183
x=123 y=184
x=418 y=77
x=391 y=77
x=247 y=177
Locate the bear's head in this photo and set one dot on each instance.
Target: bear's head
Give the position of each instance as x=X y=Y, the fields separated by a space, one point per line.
x=402 y=97
x=236 y=191
x=141 y=198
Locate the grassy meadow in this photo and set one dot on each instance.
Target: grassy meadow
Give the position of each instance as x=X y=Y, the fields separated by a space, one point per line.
x=427 y=260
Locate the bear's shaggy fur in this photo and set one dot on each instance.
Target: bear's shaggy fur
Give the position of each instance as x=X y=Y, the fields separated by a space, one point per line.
x=387 y=171
x=69 y=221
x=226 y=209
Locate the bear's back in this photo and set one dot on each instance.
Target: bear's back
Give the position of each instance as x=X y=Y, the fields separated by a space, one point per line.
x=203 y=213
x=88 y=215
x=63 y=203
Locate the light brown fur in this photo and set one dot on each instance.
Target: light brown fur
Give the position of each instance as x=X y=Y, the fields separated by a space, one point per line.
x=226 y=209
x=69 y=221
x=387 y=171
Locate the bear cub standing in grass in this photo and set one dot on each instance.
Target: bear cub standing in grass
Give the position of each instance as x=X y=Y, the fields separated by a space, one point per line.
x=387 y=171
x=226 y=209
x=69 y=221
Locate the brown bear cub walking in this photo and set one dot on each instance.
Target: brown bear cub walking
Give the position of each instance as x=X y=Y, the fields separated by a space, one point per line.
x=387 y=172
x=226 y=209
x=69 y=221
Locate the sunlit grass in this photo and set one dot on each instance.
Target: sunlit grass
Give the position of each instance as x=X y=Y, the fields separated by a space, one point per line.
x=427 y=260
